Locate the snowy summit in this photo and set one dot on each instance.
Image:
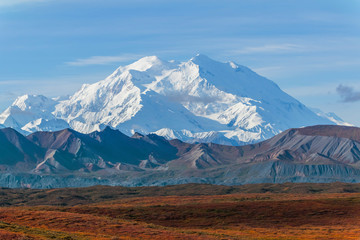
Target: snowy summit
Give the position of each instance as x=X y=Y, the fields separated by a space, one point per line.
x=198 y=100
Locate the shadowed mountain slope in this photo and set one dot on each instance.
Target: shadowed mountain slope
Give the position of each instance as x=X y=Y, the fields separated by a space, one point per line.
x=68 y=158
x=108 y=149
x=316 y=144
x=18 y=153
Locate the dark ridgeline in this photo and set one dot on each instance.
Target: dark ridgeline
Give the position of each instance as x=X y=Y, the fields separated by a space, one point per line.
x=68 y=158
x=108 y=149
x=17 y=153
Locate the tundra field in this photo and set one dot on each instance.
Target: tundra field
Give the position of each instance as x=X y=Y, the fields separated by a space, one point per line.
x=191 y=211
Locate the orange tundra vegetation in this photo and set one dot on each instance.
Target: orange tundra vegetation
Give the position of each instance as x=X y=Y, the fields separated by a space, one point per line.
x=266 y=215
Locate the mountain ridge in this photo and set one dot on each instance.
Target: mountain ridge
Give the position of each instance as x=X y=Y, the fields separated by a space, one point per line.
x=200 y=100
x=69 y=158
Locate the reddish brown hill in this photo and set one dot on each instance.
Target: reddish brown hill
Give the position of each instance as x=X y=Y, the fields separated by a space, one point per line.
x=311 y=154
x=352 y=133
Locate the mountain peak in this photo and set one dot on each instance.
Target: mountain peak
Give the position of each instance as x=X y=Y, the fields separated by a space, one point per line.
x=192 y=99
x=222 y=69
x=108 y=129
x=33 y=101
x=65 y=131
x=145 y=63
x=201 y=59
x=28 y=101
x=137 y=135
x=149 y=59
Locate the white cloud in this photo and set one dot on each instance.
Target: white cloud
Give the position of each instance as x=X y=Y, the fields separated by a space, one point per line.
x=103 y=60
x=271 y=48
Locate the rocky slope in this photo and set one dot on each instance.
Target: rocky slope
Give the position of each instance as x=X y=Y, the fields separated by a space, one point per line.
x=64 y=158
x=200 y=100
x=17 y=153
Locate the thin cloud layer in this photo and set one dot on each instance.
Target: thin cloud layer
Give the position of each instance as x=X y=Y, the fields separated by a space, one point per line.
x=348 y=94
x=271 y=48
x=6 y=3
x=102 y=60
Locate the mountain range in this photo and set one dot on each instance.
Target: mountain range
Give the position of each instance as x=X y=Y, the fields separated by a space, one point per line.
x=67 y=158
x=200 y=100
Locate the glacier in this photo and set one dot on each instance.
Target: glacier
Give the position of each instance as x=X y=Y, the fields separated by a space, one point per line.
x=200 y=100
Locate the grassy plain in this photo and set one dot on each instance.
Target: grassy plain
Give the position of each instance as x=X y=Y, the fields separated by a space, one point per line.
x=192 y=211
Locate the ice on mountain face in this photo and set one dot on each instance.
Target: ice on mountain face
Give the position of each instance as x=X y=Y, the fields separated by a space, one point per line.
x=27 y=110
x=40 y=124
x=227 y=137
x=109 y=102
x=198 y=100
x=240 y=114
x=159 y=112
x=331 y=116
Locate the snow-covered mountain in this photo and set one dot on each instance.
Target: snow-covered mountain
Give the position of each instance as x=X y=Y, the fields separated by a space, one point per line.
x=30 y=113
x=331 y=116
x=198 y=100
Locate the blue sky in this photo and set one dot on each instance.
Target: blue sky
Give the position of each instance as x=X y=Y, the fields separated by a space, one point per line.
x=308 y=48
